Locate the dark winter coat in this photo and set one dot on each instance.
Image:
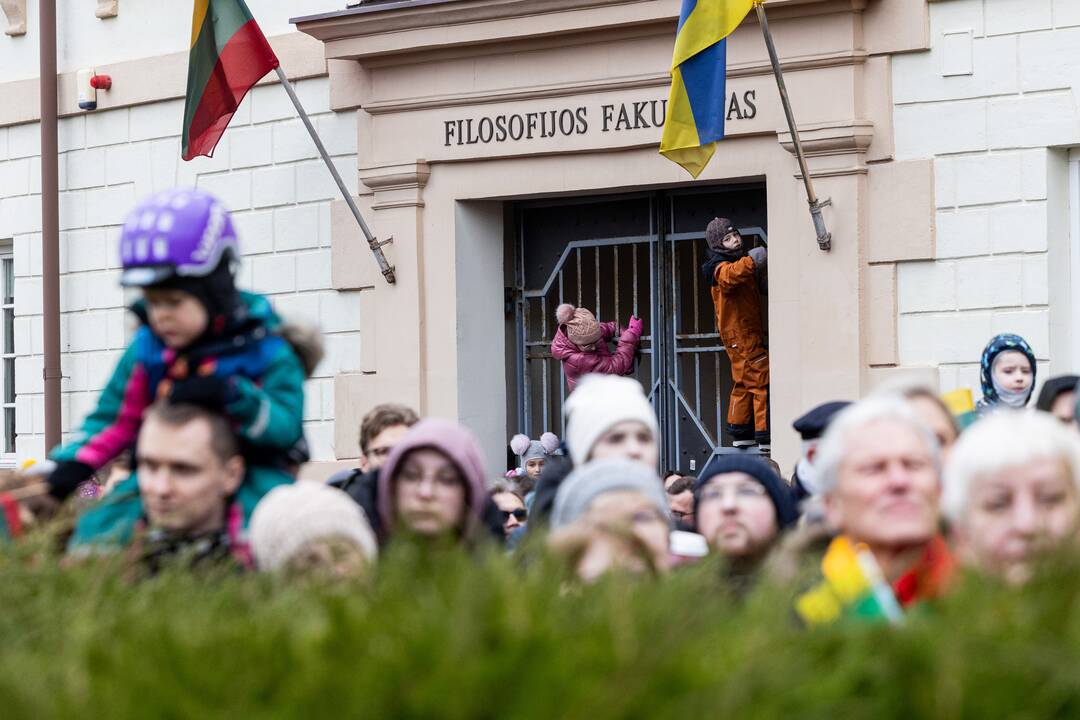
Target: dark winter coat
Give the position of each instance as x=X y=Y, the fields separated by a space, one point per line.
x=362 y=487
x=798 y=490
x=555 y=471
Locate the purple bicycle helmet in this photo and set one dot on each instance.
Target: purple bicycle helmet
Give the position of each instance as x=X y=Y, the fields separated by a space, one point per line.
x=181 y=232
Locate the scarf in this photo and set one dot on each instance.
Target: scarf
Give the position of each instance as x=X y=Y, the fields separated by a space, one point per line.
x=714 y=259
x=854 y=587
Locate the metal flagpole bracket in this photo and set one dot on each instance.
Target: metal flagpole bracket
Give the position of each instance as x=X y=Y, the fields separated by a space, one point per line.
x=376 y=248
x=385 y=267
x=824 y=237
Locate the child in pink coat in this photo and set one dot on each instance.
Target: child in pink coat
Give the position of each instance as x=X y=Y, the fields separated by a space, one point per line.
x=581 y=344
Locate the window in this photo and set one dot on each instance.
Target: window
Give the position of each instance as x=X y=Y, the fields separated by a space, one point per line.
x=7 y=356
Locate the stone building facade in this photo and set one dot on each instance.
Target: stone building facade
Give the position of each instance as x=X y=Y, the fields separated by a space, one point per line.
x=941 y=130
x=994 y=103
x=265 y=169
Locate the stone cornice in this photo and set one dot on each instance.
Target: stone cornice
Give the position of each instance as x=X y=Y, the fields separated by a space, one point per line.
x=659 y=79
x=397 y=185
x=405 y=15
x=836 y=138
x=379 y=31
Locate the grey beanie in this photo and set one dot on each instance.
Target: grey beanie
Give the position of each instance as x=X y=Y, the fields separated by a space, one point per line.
x=598 y=477
x=527 y=449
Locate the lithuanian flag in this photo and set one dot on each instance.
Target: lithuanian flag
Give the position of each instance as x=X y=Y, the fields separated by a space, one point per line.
x=229 y=54
x=961 y=404
x=853 y=587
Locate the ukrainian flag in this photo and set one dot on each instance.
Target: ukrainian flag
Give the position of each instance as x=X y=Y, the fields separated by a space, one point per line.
x=697 y=104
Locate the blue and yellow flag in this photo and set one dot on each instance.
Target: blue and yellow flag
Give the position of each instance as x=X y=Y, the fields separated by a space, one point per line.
x=695 y=109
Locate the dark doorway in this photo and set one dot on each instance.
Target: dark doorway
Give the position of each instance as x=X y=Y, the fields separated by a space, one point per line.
x=617 y=256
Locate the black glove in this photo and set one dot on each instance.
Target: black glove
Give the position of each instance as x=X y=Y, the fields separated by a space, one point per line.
x=67 y=476
x=210 y=392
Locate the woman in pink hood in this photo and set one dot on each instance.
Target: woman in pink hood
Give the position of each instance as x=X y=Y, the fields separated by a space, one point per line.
x=432 y=485
x=581 y=343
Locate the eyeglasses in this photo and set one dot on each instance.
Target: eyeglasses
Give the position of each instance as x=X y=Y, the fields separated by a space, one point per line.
x=742 y=491
x=520 y=513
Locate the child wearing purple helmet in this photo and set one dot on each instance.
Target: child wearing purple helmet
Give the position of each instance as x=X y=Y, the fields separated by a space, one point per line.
x=200 y=341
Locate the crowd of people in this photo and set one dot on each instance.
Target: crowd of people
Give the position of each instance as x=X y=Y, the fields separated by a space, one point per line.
x=191 y=456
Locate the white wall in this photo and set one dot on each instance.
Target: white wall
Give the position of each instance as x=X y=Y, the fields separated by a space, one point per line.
x=264 y=170
x=143 y=28
x=481 y=362
x=989 y=101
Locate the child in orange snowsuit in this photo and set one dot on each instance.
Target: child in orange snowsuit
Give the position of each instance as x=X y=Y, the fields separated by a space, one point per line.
x=733 y=275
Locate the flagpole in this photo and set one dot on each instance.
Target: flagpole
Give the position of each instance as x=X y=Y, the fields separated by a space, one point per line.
x=824 y=237
x=376 y=247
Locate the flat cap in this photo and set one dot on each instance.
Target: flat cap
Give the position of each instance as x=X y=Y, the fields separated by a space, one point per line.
x=812 y=425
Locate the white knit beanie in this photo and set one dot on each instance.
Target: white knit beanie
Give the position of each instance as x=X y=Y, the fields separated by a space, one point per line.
x=598 y=403
x=290 y=516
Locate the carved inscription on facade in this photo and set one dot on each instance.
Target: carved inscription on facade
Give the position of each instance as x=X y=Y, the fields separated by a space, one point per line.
x=576 y=120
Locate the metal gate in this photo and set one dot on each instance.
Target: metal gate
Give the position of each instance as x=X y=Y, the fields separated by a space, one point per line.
x=621 y=255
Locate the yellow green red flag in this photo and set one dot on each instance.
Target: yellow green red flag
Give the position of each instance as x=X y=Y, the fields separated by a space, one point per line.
x=228 y=55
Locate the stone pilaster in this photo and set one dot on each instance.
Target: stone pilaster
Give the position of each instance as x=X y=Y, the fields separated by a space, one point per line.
x=393 y=362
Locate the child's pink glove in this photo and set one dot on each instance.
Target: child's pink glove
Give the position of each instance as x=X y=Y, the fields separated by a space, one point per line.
x=636 y=326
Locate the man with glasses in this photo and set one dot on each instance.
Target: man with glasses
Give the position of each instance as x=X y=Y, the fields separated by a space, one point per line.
x=382 y=429
x=680 y=497
x=741 y=507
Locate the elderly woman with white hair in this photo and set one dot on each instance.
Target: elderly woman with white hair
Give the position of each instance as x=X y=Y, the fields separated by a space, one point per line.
x=1012 y=493
x=880 y=476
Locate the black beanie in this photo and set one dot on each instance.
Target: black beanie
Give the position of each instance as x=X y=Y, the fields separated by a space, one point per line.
x=217 y=292
x=779 y=493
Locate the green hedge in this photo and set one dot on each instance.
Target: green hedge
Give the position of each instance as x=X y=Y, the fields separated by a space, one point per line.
x=452 y=636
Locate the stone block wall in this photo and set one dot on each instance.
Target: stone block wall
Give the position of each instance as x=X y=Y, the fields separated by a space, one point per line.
x=993 y=103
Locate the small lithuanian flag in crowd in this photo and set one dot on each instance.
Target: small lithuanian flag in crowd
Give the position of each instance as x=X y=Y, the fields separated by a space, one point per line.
x=853 y=587
x=961 y=404
x=229 y=54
